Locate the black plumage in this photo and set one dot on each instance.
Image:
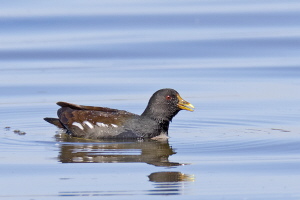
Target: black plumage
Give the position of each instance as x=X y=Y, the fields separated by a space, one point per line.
x=101 y=122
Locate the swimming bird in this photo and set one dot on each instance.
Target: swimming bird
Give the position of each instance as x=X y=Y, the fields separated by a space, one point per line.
x=100 y=122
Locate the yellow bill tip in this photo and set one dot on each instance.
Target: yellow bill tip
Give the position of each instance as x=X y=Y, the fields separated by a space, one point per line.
x=184 y=105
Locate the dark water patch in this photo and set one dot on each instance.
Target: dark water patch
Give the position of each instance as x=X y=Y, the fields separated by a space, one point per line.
x=252 y=147
x=158 y=50
x=20 y=144
x=186 y=20
x=240 y=146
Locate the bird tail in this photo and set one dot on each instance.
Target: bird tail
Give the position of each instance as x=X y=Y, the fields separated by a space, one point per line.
x=54 y=121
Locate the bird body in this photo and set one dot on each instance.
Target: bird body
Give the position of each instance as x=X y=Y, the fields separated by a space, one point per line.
x=101 y=122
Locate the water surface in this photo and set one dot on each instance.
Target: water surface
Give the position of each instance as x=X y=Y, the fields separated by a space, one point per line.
x=237 y=62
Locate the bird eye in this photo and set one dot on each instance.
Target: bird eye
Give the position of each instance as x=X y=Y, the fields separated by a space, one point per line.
x=168 y=97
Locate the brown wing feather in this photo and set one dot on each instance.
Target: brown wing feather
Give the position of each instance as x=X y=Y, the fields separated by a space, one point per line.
x=81 y=107
x=78 y=113
x=68 y=116
x=93 y=123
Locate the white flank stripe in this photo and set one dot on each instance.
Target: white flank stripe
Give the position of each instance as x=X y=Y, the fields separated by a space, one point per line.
x=89 y=124
x=114 y=125
x=101 y=124
x=78 y=125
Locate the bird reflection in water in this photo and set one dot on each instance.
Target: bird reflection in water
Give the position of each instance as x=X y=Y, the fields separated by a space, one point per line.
x=165 y=183
x=76 y=150
x=169 y=183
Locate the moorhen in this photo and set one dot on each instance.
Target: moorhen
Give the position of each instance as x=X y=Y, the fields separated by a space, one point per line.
x=101 y=122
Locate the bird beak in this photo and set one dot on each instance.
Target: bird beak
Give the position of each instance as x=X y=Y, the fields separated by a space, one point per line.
x=184 y=105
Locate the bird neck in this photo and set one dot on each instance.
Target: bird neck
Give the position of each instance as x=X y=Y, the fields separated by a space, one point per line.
x=158 y=115
x=162 y=124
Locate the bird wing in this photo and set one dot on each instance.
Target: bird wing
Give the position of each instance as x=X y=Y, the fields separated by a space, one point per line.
x=81 y=107
x=83 y=121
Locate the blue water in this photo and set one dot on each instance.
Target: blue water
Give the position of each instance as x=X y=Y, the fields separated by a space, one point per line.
x=236 y=61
